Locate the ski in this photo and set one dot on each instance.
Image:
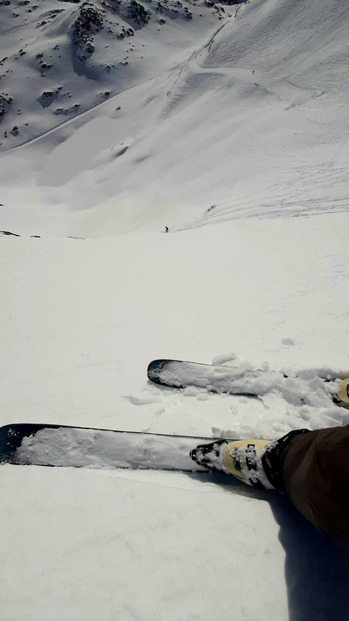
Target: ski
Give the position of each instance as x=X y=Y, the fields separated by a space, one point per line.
x=241 y=381
x=215 y=378
x=87 y=447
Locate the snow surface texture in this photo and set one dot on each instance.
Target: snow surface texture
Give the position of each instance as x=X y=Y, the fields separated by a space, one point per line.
x=233 y=133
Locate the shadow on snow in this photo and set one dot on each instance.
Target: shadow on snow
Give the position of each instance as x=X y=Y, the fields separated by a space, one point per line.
x=316 y=571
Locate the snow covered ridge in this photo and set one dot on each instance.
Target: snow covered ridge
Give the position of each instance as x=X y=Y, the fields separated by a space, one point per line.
x=61 y=57
x=184 y=123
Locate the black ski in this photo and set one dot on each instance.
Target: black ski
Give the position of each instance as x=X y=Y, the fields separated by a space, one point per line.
x=86 y=447
x=235 y=380
x=215 y=378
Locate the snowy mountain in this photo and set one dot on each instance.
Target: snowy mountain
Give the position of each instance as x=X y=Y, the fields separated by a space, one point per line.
x=228 y=124
x=65 y=57
x=263 y=93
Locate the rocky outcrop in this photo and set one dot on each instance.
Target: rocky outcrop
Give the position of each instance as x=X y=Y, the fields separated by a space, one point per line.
x=5 y=102
x=89 y=22
x=138 y=13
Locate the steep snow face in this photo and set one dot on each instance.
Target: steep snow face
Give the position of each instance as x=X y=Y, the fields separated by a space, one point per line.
x=252 y=123
x=301 y=43
x=62 y=58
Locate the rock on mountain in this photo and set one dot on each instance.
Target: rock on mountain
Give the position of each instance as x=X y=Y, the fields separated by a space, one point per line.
x=63 y=57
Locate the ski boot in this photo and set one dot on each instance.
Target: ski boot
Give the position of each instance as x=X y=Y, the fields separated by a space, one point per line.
x=241 y=458
x=342 y=396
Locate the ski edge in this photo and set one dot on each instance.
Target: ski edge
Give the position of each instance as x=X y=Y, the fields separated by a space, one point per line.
x=35 y=427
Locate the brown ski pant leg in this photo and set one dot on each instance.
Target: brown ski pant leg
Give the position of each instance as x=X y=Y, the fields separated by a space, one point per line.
x=316 y=478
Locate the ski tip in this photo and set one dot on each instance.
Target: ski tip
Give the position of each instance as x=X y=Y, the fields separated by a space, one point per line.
x=12 y=435
x=155 y=367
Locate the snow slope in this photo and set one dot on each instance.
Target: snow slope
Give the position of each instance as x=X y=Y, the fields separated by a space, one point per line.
x=274 y=120
x=241 y=149
x=65 y=57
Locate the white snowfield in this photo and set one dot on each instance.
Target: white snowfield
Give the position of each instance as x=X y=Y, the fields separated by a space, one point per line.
x=233 y=133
